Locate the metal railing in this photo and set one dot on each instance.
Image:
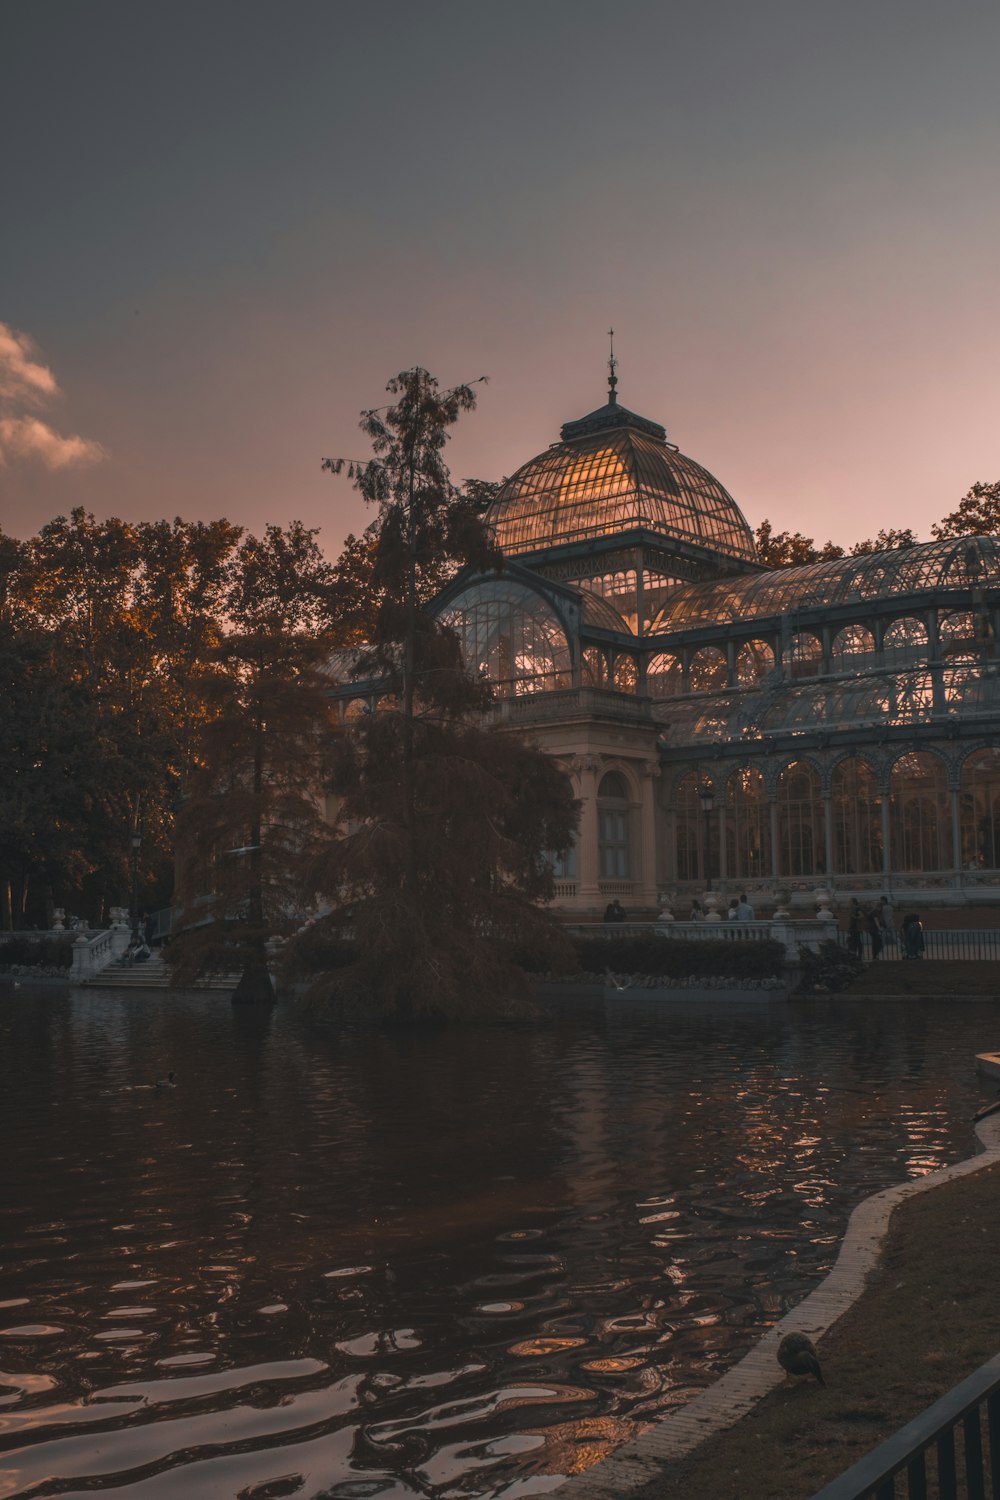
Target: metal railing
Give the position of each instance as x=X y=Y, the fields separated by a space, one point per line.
x=951 y=1451
x=960 y=943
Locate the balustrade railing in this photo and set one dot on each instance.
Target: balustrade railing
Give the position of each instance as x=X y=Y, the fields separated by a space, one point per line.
x=938 y=942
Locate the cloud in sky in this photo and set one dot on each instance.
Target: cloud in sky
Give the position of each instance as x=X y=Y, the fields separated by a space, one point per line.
x=26 y=387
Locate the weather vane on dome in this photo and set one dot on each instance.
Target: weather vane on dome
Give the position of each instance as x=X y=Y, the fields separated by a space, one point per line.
x=612 y=367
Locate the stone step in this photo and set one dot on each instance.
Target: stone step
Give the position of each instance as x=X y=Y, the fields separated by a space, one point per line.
x=153 y=975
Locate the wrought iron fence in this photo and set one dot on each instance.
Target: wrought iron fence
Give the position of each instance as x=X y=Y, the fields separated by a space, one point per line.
x=951 y=1451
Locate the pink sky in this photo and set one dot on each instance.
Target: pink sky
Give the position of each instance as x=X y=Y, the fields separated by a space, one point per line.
x=232 y=224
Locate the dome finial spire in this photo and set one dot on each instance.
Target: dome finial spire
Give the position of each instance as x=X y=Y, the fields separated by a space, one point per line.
x=612 y=367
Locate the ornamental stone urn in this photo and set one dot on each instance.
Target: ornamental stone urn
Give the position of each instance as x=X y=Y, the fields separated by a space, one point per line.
x=824 y=906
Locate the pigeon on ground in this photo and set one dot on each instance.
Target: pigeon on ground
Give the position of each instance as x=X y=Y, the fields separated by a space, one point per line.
x=796 y=1356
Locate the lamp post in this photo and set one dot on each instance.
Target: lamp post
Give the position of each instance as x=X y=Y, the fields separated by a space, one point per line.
x=134 y=893
x=707 y=798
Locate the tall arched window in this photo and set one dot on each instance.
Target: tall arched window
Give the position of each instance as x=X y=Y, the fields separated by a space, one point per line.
x=800 y=821
x=613 y=827
x=626 y=676
x=980 y=810
x=753 y=663
x=664 y=677
x=748 y=826
x=852 y=647
x=919 y=813
x=690 y=829
x=957 y=640
x=709 y=670
x=594 y=668
x=803 y=655
x=857 y=821
x=905 y=641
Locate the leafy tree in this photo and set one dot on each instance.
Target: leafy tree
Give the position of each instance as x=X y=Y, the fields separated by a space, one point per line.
x=442 y=850
x=885 y=541
x=977 y=514
x=253 y=795
x=787 y=549
x=129 y=613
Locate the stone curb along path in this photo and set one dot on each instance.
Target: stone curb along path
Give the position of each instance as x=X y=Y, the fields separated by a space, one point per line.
x=675 y=1435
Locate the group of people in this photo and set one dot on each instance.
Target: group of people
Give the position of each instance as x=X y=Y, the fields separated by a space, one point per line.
x=877 y=922
x=740 y=910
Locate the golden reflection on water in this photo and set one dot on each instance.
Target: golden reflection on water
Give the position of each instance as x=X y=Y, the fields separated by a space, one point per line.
x=421 y=1265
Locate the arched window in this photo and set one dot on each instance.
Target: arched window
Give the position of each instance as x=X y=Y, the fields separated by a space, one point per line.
x=709 y=670
x=905 y=641
x=919 y=813
x=626 y=675
x=622 y=591
x=613 y=820
x=803 y=655
x=508 y=634
x=857 y=821
x=664 y=676
x=980 y=810
x=748 y=826
x=957 y=640
x=753 y=663
x=689 y=832
x=800 y=821
x=594 y=668
x=852 y=648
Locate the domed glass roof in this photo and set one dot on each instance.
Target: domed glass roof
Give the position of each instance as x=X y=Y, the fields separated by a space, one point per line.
x=614 y=471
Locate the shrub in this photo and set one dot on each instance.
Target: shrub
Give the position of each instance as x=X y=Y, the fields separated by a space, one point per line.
x=830 y=968
x=36 y=952
x=677 y=958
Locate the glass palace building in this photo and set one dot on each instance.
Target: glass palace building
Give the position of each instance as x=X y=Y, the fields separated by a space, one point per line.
x=835 y=725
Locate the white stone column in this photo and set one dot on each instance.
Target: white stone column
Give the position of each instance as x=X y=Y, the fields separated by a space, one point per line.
x=647 y=885
x=956 y=831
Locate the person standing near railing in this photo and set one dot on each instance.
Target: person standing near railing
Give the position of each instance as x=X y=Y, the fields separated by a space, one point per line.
x=913 y=935
x=886 y=922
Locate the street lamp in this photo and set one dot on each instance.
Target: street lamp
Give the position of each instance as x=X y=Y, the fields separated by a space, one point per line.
x=134 y=894
x=707 y=798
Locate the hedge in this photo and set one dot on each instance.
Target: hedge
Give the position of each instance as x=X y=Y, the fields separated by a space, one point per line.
x=678 y=958
x=36 y=952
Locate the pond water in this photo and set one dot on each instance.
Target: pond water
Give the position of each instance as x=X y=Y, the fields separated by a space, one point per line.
x=457 y=1264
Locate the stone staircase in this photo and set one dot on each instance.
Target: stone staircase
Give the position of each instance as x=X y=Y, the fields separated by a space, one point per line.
x=152 y=975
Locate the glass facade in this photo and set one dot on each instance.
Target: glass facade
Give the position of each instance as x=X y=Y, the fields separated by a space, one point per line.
x=967 y=563
x=843 y=712
x=509 y=635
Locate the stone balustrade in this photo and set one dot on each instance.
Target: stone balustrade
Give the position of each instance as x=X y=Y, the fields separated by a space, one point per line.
x=93 y=952
x=796 y=934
